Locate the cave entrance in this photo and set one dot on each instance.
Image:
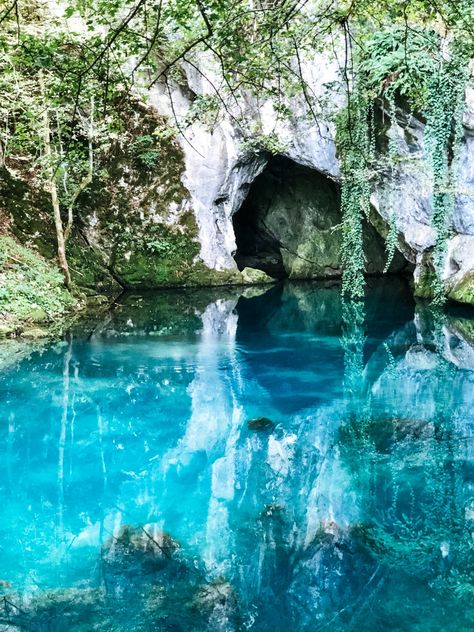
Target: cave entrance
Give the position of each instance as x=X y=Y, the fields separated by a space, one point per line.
x=289 y=226
x=257 y=245
x=276 y=226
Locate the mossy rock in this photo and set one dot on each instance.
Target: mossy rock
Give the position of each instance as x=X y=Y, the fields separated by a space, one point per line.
x=117 y=216
x=463 y=291
x=165 y=259
x=426 y=279
x=29 y=210
x=7 y=329
x=35 y=333
x=253 y=276
x=203 y=276
x=88 y=270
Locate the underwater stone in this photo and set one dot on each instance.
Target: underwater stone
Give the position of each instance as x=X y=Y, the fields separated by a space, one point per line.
x=216 y=603
x=143 y=549
x=216 y=593
x=260 y=424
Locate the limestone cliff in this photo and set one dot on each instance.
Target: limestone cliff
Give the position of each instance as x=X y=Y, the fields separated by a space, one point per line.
x=197 y=205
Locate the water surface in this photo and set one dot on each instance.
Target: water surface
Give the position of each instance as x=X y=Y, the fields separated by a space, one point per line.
x=136 y=496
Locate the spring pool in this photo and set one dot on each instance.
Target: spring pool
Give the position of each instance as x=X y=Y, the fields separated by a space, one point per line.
x=272 y=460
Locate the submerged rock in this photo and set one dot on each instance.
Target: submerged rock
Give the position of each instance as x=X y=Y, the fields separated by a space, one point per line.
x=273 y=509
x=79 y=609
x=143 y=549
x=384 y=435
x=217 y=593
x=217 y=604
x=260 y=424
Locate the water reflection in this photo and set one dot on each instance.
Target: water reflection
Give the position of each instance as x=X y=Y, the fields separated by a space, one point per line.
x=213 y=461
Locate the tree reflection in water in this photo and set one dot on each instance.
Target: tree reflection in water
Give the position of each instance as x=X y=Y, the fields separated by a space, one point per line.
x=138 y=496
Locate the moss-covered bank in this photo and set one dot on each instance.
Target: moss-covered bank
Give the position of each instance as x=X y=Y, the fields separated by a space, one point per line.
x=134 y=226
x=32 y=292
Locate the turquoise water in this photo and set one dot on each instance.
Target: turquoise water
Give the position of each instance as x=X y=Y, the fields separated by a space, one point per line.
x=136 y=495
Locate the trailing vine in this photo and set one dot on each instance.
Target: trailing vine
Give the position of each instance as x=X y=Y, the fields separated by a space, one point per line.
x=411 y=65
x=355 y=149
x=443 y=134
x=391 y=240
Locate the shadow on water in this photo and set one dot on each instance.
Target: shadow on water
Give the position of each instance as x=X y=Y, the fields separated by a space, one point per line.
x=266 y=459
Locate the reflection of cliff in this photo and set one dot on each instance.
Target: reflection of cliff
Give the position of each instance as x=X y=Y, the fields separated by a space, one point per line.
x=410 y=463
x=299 y=525
x=279 y=503
x=255 y=501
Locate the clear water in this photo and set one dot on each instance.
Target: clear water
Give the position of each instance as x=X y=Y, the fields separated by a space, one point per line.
x=135 y=495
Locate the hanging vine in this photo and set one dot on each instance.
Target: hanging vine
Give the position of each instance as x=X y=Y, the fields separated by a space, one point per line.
x=411 y=65
x=355 y=150
x=443 y=137
x=391 y=240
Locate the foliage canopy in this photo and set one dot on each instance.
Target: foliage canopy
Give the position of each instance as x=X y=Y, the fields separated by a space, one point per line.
x=412 y=53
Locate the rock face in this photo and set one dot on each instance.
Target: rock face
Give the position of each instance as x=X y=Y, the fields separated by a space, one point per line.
x=197 y=208
x=220 y=168
x=134 y=226
x=220 y=171
x=407 y=192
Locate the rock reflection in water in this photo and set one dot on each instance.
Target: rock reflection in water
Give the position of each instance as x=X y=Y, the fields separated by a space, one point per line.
x=211 y=461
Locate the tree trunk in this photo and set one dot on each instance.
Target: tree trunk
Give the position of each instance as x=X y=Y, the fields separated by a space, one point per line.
x=50 y=174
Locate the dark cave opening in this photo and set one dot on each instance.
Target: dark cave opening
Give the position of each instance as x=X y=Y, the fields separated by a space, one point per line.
x=257 y=245
x=268 y=224
x=289 y=226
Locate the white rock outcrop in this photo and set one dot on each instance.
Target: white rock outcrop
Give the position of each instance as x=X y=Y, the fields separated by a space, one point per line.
x=220 y=170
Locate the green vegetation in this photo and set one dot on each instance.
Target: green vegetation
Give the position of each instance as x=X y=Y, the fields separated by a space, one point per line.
x=418 y=69
x=67 y=76
x=165 y=258
x=31 y=288
x=145 y=151
x=445 y=109
x=355 y=158
x=264 y=144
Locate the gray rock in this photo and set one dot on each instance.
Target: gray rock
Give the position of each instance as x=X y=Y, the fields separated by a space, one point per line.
x=220 y=171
